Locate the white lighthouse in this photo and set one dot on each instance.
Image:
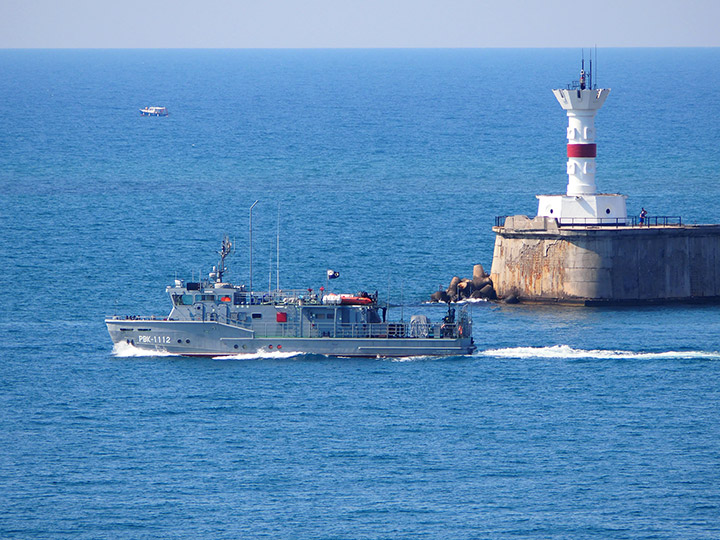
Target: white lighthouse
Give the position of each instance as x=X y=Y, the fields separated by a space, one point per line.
x=582 y=204
x=582 y=248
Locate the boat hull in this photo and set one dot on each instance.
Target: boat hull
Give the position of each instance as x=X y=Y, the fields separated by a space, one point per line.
x=203 y=338
x=154 y=112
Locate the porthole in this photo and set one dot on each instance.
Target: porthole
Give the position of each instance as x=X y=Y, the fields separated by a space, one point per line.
x=236 y=346
x=179 y=340
x=187 y=341
x=269 y=346
x=551 y=210
x=279 y=346
x=607 y=211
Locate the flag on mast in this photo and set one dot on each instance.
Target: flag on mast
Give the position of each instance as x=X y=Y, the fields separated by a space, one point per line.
x=331 y=274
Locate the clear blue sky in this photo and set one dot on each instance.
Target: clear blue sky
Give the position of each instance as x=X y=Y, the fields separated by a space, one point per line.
x=358 y=23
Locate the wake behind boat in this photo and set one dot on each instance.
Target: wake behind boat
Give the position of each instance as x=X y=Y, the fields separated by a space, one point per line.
x=216 y=318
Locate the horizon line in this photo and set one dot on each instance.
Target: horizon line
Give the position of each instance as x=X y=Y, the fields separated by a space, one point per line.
x=355 y=48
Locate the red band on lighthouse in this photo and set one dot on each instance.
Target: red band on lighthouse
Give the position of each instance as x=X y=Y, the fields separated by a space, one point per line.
x=582 y=150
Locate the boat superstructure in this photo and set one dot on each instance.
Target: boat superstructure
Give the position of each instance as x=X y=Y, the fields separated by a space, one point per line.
x=213 y=317
x=154 y=111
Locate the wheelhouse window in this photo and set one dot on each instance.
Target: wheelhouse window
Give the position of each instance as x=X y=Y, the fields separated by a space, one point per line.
x=208 y=297
x=187 y=299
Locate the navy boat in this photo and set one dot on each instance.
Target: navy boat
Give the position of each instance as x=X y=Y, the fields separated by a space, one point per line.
x=213 y=318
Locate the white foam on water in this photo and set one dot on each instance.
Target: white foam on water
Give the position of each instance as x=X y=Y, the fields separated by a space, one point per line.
x=459 y=302
x=472 y=301
x=565 y=351
x=125 y=350
x=263 y=354
x=410 y=358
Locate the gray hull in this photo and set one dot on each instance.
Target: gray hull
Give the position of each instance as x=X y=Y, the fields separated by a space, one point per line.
x=207 y=338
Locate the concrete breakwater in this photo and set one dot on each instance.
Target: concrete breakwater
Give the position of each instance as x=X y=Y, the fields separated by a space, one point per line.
x=480 y=286
x=536 y=260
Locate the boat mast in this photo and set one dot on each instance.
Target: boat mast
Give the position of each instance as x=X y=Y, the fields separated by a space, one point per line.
x=251 y=250
x=225 y=250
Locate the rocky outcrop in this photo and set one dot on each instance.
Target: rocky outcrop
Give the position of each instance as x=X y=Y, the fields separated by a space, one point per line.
x=480 y=286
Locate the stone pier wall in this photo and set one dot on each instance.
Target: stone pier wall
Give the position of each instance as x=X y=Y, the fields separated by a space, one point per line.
x=536 y=260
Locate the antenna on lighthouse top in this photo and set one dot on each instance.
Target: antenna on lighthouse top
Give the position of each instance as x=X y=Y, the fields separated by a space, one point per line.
x=582 y=71
x=596 y=61
x=586 y=77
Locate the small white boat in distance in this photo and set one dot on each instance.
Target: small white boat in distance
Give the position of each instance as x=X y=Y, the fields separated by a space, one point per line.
x=154 y=111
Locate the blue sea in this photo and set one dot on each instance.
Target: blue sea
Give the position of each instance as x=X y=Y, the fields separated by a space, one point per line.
x=388 y=166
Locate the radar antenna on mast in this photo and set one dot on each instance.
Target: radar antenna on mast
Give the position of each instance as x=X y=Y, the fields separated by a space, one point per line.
x=225 y=250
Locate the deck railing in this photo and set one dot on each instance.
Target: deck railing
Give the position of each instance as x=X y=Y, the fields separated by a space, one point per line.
x=286 y=296
x=389 y=330
x=630 y=221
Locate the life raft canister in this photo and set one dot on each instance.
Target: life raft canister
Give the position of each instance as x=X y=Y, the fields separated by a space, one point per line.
x=355 y=300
